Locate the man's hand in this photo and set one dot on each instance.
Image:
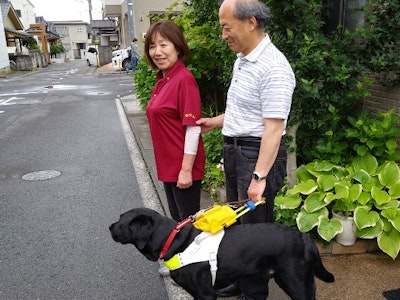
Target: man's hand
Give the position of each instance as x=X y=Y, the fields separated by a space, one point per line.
x=256 y=190
x=208 y=124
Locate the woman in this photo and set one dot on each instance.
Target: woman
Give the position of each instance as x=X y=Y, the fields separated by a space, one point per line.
x=172 y=111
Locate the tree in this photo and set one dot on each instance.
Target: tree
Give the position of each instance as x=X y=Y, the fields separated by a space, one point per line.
x=330 y=68
x=56 y=48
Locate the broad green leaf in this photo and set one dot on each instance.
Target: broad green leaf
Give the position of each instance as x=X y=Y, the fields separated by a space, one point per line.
x=387 y=226
x=342 y=190
x=326 y=182
x=374 y=182
x=364 y=218
x=328 y=229
x=355 y=191
x=394 y=190
x=288 y=201
x=389 y=242
x=361 y=176
x=329 y=197
x=370 y=232
x=323 y=166
x=393 y=203
x=303 y=175
x=314 y=202
x=366 y=162
x=381 y=197
x=390 y=175
x=364 y=198
x=319 y=168
x=304 y=188
x=393 y=216
x=306 y=222
x=391 y=144
x=362 y=150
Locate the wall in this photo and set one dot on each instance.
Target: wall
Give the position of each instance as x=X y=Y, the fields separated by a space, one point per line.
x=142 y=9
x=27 y=11
x=30 y=62
x=383 y=98
x=4 y=62
x=74 y=33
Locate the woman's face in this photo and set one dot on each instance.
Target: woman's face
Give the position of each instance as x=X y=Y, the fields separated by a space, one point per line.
x=163 y=53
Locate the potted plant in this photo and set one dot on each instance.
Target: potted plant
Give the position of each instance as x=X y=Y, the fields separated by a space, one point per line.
x=364 y=190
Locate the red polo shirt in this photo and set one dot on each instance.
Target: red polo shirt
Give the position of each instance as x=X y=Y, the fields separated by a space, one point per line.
x=174 y=104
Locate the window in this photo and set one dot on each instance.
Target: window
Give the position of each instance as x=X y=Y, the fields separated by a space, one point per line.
x=346 y=13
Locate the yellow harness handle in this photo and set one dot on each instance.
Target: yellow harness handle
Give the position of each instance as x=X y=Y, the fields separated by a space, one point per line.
x=219 y=217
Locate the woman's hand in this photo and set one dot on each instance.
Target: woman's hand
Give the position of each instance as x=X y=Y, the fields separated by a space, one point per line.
x=184 y=180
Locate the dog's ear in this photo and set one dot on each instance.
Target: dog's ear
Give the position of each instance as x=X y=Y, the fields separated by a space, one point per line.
x=142 y=229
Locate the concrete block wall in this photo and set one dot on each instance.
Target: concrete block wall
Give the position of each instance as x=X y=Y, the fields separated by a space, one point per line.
x=383 y=98
x=30 y=62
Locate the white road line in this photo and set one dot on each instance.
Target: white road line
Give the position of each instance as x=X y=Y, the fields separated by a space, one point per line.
x=16 y=94
x=7 y=101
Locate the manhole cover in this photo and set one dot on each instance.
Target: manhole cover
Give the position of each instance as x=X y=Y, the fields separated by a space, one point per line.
x=41 y=175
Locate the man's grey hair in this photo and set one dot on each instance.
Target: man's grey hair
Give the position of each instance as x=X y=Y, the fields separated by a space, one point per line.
x=245 y=9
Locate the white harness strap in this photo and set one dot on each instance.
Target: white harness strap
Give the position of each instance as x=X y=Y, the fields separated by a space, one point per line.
x=203 y=248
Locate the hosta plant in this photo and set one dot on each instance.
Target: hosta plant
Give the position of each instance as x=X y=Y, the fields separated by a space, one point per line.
x=365 y=190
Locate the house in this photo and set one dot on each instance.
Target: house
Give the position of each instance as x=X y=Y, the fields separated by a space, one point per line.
x=13 y=28
x=45 y=35
x=74 y=37
x=25 y=11
x=14 y=34
x=4 y=61
x=133 y=17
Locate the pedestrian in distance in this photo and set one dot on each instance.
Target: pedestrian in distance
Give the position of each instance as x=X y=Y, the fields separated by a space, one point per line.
x=134 y=55
x=172 y=112
x=257 y=107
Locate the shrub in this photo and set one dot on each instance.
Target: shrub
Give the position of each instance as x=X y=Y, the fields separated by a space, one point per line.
x=56 y=48
x=367 y=190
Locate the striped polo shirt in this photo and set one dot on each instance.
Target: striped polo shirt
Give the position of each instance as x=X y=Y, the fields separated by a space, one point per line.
x=262 y=86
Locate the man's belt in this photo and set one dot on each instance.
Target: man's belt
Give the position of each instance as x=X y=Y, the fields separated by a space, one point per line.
x=250 y=141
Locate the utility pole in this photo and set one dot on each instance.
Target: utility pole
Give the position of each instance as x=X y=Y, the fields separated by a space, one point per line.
x=131 y=21
x=90 y=21
x=90 y=11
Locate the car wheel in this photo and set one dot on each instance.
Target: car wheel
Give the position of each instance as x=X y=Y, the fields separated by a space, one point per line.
x=88 y=62
x=126 y=64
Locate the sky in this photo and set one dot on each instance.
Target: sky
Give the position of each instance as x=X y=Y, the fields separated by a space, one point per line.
x=67 y=10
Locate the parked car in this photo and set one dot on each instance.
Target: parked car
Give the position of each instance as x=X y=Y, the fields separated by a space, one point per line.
x=121 y=60
x=91 y=56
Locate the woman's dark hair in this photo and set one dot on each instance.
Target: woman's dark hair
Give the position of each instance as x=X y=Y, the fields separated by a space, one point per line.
x=171 y=32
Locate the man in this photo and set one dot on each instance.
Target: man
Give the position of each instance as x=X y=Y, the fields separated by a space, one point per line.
x=134 y=54
x=257 y=107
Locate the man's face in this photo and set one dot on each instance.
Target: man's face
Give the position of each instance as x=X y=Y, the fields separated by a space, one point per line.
x=234 y=31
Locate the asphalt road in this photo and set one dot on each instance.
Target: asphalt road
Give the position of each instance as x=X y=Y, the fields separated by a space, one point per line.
x=64 y=122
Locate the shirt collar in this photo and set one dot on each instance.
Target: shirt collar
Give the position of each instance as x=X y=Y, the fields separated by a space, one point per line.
x=175 y=68
x=257 y=51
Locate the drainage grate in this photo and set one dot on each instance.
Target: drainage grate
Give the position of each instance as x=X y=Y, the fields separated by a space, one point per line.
x=41 y=175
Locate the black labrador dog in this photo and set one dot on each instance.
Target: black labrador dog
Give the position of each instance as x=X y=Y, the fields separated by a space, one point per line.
x=247 y=249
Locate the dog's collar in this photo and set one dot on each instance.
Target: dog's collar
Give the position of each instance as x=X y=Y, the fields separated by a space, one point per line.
x=172 y=235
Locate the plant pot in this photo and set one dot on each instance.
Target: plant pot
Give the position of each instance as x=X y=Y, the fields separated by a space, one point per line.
x=348 y=236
